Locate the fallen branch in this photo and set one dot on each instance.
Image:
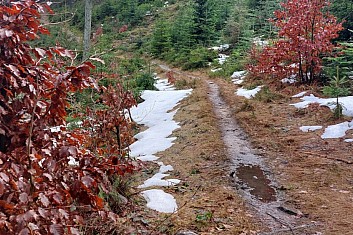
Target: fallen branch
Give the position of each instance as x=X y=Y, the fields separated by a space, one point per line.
x=281 y=222
x=328 y=157
x=61 y=22
x=290 y=229
x=169 y=216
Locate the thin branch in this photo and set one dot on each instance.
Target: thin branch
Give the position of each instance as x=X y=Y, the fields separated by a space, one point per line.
x=60 y=22
x=291 y=229
x=328 y=157
x=281 y=222
x=169 y=216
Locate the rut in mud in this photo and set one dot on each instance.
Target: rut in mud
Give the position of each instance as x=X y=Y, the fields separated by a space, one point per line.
x=252 y=178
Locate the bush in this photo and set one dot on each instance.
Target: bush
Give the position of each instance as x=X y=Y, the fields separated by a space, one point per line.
x=199 y=58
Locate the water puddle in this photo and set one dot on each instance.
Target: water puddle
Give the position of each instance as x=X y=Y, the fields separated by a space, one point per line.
x=257 y=182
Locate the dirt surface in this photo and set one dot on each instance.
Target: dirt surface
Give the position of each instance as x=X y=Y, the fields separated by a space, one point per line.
x=208 y=204
x=311 y=178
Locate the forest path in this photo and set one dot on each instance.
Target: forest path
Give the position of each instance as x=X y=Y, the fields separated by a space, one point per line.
x=232 y=182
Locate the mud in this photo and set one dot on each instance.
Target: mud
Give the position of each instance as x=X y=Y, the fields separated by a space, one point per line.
x=257 y=182
x=252 y=177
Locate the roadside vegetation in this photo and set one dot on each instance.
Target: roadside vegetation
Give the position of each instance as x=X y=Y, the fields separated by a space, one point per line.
x=47 y=84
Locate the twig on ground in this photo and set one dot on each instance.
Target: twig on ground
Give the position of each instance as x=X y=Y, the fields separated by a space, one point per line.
x=290 y=229
x=169 y=216
x=328 y=157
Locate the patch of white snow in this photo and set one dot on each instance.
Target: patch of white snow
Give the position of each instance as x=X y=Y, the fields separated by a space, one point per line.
x=248 y=93
x=220 y=48
x=310 y=128
x=163 y=85
x=289 y=80
x=238 y=77
x=222 y=58
x=153 y=113
x=301 y=94
x=336 y=131
x=347 y=103
x=160 y=201
x=157 y=179
x=216 y=70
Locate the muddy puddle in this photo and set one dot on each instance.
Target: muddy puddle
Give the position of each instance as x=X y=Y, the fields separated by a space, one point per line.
x=257 y=182
x=253 y=179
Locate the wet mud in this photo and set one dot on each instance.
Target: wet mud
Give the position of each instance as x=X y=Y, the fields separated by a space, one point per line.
x=257 y=182
x=252 y=177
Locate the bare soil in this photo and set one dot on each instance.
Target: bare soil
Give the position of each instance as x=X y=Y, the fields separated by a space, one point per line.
x=313 y=176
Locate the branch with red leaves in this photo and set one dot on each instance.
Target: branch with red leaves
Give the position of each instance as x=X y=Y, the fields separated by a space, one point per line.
x=306 y=31
x=49 y=173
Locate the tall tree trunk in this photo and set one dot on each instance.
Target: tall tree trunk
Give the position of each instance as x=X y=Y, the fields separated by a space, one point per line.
x=87 y=29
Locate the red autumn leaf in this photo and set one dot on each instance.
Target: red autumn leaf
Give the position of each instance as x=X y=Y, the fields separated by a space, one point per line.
x=88 y=181
x=56 y=229
x=2 y=188
x=6 y=206
x=74 y=231
x=44 y=200
x=24 y=231
x=23 y=197
x=306 y=31
x=89 y=64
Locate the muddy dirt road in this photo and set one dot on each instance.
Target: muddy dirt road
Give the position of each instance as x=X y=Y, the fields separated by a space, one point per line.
x=235 y=180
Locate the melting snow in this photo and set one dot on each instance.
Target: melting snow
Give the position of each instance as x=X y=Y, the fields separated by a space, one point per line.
x=334 y=131
x=248 y=93
x=157 y=179
x=220 y=48
x=160 y=201
x=222 y=58
x=155 y=113
x=347 y=103
x=216 y=70
x=310 y=128
x=337 y=131
x=301 y=94
x=258 y=41
x=238 y=77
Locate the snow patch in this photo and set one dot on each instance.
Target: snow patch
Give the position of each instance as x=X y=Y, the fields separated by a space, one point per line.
x=336 y=131
x=333 y=131
x=222 y=58
x=156 y=114
x=160 y=201
x=292 y=79
x=258 y=41
x=157 y=179
x=163 y=85
x=220 y=48
x=216 y=70
x=301 y=94
x=238 y=77
x=347 y=103
x=248 y=93
x=310 y=128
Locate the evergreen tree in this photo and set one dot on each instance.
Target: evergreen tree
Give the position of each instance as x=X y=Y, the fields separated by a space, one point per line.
x=263 y=11
x=343 y=10
x=161 y=38
x=182 y=35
